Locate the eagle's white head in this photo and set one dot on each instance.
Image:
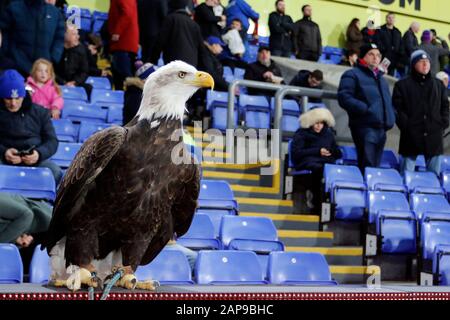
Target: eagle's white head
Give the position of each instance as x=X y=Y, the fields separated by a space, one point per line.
x=167 y=89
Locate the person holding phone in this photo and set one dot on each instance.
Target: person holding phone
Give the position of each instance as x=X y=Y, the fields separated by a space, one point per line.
x=27 y=136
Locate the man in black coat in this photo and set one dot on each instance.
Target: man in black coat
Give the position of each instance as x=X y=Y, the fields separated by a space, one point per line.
x=180 y=37
x=263 y=70
x=281 y=28
x=421 y=103
x=24 y=126
x=151 y=17
x=391 y=39
x=307 y=38
x=211 y=64
x=207 y=20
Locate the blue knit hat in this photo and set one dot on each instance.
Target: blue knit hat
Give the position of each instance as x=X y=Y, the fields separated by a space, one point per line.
x=418 y=55
x=143 y=70
x=12 y=85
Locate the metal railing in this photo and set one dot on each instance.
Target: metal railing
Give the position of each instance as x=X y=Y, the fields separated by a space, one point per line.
x=281 y=92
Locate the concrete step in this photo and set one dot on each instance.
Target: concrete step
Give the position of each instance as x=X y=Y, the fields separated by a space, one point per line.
x=306 y=238
x=264 y=205
x=247 y=179
x=335 y=255
x=355 y=274
x=289 y=221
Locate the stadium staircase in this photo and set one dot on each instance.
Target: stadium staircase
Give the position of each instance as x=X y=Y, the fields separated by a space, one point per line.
x=262 y=196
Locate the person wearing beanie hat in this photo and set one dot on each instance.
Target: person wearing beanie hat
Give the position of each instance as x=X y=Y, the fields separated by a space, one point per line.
x=313 y=146
x=434 y=52
x=422 y=107
x=364 y=94
x=27 y=136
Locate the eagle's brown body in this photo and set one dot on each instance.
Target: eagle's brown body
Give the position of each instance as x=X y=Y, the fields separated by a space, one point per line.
x=123 y=192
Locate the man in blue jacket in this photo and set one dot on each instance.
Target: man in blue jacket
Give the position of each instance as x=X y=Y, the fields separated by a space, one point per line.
x=32 y=29
x=364 y=94
x=25 y=127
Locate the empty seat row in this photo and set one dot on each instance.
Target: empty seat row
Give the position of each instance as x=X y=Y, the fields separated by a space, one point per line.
x=88 y=22
x=99 y=95
x=66 y=131
x=212 y=267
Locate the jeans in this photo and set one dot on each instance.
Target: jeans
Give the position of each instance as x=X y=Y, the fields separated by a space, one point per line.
x=369 y=143
x=190 y=254
x=56 y=170
x=122 y=67
x=409 y=164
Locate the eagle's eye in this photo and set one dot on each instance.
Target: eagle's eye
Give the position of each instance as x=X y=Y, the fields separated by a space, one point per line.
x=181 y=74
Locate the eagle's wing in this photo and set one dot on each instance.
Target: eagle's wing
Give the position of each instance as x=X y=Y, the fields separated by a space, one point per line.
x=89 y=162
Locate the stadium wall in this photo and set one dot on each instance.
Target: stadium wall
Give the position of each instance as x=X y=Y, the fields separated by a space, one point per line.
x=333 y=16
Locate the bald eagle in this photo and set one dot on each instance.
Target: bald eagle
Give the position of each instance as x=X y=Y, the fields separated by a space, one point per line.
x=122 y=192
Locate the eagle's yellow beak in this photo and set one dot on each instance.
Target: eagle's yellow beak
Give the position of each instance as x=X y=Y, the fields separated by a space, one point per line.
x=203 y=80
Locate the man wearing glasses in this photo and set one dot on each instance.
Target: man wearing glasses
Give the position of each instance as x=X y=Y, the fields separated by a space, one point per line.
x=364 y=94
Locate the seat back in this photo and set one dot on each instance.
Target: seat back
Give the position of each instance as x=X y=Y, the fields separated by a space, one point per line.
x=201 y=227
x=40 y=266
x=81 y=113
x=87 y=129
x=435 y=230
x=11 y=267
x=216 y=194
x=380 y=179
x=441 y=264
x=74 y=93
x=106 y=97
x=99 y=83
x=215 y=216
x=299 y=268
x=349 y=156
x=115 y=115
x=228 y=267
x=416 y=180
x=169 y=267
x=423 y=203
x=382 y=200
x=65 y=130
x=333 y=173
x=288 y=107
x=389 y=160
x=31 y=182
x=253 y=102
x=65 y=153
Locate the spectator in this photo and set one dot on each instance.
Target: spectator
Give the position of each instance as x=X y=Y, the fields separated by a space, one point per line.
x=178 y=28
x=439 y=42
x=93 y=47
x=151 y=17
x=410 y=43
x=354 y=36
x=364 y=94
x=443 y=76
x=433 y=52
x=351 y=58
x=391 y=39
x=207 y=20
x=263 y=70
x=281 y=31
x=234 y=41
x=308 y=79
x=21 y=218
x=133 y=89
x=421 y=103
x=24 y=126
x=313 y=146
x=191 y=255
x=32 y=29
x=371 y=34
x=73 y=69
x=307 y=38
x=45 y=91
x=124 y=42
x=212 y=65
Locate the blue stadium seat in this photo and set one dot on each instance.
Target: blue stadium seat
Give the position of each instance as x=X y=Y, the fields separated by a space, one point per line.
x=228 y=267
x=380 y=201
x=445 y=176
x=115 y=115
x=98 y=19
x=445 y=164
x=216 y=99
x=349 y=156
x=99 y=83
x=31 y=182
x=200 y=235
x=255 y=110
x=239 y=73
x=11 y=267
x=102 y=97
x=435 y=230
x=429 y=203
x=347 y=191
x=170 y=267
x=333 y=50
x=86 y=19
x=215 y=215
x=74 y=93
x=421 y=164
x=253 y=102
x=291 y=163
x=87 y=129
x=389 y=160
x=217 y=104
x=257 y=234
x=441 y=264
x=290 y=123
x=65 y=130
x=299 y=268
x=263 y=41
x=227 y=71
x=81 y=113
x=398 y=231
x=216 y=194
x=65 y=154
x=40 y=266
x=422 y=182
x=384 y=180
x=290 y=107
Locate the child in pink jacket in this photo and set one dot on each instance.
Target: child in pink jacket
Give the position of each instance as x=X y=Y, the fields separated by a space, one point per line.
x=45 y=91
